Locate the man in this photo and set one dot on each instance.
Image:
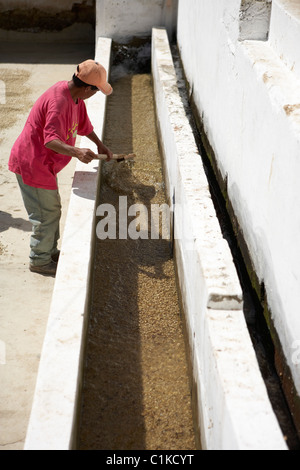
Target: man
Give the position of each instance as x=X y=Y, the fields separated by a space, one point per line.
x=45 y=146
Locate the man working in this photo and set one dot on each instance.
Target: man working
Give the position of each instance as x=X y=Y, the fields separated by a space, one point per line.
x=45 y=146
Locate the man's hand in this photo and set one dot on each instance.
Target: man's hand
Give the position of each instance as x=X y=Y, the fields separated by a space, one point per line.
x=84 y=155
x=103 y=150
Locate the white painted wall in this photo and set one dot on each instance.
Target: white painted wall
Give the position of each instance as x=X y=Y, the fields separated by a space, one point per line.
x=250 y=103
x=285 y=33
x=123 y=20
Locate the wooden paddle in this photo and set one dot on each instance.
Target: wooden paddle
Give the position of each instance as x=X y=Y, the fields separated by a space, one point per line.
x=118 y=157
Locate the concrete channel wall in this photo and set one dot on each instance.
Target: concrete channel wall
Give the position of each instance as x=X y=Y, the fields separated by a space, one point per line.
x=234 y=411
x=242 y=63
x=126 y=20
x=53 y=420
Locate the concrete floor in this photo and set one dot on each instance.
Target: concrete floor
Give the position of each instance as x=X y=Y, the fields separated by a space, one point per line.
x=26 y=71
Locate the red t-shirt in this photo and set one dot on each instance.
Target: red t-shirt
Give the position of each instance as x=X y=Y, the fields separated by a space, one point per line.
x=54 y=116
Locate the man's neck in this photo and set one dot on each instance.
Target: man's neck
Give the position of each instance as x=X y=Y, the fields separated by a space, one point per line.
x=75 y=92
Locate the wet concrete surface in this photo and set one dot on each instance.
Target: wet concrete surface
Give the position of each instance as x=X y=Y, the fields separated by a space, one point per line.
x=136 y=391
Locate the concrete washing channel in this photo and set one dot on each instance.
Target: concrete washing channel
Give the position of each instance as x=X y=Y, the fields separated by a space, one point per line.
x=230 y=400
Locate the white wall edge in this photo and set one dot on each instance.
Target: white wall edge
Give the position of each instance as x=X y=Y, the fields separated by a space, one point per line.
x=53 y=419
x=234 y=411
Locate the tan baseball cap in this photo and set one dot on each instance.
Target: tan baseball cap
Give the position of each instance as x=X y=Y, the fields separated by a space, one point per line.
x=93 y=73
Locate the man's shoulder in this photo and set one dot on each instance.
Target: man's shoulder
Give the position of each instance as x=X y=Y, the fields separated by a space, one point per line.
x=58 y=88
x=56 y=94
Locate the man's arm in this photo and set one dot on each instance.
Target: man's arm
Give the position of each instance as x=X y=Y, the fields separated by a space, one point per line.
x=84 y=155
x=102 y=149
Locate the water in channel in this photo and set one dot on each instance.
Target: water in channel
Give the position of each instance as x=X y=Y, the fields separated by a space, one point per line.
x=136 y=389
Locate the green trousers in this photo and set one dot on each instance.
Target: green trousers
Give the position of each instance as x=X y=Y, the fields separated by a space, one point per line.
x=43 y=207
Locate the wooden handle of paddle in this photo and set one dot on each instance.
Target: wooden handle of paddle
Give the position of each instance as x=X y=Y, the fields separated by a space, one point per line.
x=119 y=157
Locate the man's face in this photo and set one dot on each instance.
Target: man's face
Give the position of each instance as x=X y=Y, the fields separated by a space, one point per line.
x=88 y=92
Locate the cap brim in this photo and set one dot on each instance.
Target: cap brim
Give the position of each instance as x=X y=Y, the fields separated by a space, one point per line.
x=106 y=89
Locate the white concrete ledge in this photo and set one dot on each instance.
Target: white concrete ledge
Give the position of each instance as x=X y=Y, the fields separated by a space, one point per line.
x=53 y=420
x=234 y=409
x=285 y=33
x=280 y=85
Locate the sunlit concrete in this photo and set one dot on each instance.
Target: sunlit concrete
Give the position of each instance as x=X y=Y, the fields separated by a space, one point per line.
x=53 y=420
x=25 y=298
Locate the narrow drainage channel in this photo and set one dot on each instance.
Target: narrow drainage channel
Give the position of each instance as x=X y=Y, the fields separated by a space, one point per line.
x=253 y=309
x=136 y=390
